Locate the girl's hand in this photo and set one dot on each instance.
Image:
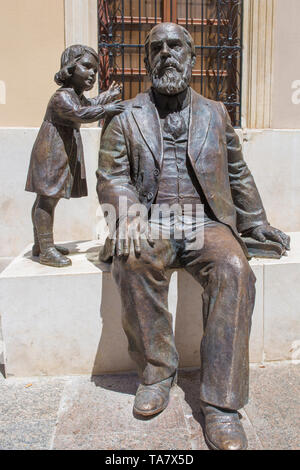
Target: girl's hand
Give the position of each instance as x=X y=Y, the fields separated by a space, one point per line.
x=115 y=89
x=112 y=109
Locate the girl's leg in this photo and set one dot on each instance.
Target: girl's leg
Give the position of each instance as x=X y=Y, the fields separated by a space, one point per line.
x=43 y=222
x=36 y=245
x=63 y=250
x=40 y=205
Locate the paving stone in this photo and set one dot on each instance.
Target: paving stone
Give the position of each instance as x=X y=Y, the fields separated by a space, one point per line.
x=30 y=399
x=162 y=439
x=189 y=381
x=96 y=413
x=254 y=442
x=106 y=404
x=274 y=405
x=26 y=435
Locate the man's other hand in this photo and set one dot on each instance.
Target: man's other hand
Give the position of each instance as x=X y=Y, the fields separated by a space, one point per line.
x=266 y=232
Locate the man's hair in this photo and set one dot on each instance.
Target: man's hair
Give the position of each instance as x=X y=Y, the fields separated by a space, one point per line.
x=68 y=60
x=188 y=38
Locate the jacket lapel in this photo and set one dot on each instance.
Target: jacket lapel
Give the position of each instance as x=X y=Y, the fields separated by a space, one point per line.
x=199 y=125
x=147 y=120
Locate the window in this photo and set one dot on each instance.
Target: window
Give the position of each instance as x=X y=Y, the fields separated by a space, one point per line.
x=216 y=26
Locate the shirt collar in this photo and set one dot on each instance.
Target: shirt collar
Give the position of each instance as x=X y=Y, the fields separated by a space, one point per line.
x=171 y=103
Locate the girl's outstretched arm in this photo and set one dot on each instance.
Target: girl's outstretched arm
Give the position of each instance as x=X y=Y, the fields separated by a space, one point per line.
x=66 y=109
x=107 y=96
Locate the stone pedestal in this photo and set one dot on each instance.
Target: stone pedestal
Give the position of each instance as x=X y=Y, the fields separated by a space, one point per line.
x=68 y=321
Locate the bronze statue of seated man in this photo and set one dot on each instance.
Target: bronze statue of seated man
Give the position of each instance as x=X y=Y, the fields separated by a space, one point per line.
x=173 y=146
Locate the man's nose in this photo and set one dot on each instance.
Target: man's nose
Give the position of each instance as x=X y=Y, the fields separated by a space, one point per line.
x=165 y=51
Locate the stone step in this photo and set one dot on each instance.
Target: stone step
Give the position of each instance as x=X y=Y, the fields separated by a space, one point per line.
x=67 y=321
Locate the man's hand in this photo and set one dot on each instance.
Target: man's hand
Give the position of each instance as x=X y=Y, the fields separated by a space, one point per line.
x=266 y=232
x=132 y=230
x=113 y=109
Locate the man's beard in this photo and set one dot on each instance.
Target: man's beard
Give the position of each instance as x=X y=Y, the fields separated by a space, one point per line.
x=171 y=81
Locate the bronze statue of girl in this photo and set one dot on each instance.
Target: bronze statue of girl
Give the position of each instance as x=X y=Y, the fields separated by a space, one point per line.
x=57 y=167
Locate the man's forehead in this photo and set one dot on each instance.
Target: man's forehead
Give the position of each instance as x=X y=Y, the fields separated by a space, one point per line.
x=166 y=31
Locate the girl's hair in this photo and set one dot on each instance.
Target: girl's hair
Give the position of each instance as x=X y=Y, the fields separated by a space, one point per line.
x=69 y=57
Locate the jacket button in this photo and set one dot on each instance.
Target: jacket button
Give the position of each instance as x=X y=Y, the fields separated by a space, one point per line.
x=149 y=196
x=156 y=172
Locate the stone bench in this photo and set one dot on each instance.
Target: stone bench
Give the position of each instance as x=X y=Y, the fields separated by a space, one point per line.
x=68 y=321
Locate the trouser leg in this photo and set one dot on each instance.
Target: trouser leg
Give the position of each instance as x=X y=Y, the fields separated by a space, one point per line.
x=143 y=286
x=228 y=301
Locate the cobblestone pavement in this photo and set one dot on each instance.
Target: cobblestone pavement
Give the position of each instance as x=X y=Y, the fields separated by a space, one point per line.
x=85 y=412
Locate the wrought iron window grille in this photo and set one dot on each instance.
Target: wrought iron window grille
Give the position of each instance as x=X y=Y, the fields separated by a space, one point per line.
x=216 y=27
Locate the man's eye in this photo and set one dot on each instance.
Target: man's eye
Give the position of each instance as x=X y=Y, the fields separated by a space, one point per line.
x=156 y=47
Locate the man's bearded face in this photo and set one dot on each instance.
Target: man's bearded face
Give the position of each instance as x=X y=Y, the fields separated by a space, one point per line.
x=170 y=61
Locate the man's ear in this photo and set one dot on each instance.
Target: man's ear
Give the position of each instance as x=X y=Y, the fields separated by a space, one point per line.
x=193 y=61
x=146 y=62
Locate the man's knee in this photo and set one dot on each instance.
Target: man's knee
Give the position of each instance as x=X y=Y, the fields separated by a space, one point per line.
x=235 y=265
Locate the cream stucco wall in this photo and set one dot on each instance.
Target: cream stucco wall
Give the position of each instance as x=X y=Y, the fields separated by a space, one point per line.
x=271 y=68
x=33 y=34
x=286 y=65
x=32 y=37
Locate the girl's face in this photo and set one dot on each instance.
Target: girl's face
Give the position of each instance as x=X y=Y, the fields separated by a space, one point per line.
x=84 y=75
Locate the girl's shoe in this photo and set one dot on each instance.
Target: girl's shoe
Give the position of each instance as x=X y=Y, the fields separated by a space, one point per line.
x=52 y=257
x=36 y=250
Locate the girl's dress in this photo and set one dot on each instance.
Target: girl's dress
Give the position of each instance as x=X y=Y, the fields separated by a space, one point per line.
x=57 y=163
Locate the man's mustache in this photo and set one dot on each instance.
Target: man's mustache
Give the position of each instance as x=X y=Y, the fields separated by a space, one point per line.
x=161 y=66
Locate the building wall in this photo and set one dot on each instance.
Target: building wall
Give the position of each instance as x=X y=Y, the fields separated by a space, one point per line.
x=32 y=37
x=33 y=34
x=286 y=66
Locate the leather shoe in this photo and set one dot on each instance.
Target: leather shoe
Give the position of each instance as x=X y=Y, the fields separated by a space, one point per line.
x=152 y=399
x=36 y=250
x=223 y=429
x=52 y=257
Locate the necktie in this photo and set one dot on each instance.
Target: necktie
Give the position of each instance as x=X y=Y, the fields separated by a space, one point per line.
x=175 y=125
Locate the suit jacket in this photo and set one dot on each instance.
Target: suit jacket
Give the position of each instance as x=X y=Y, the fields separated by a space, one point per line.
x=131 y=156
